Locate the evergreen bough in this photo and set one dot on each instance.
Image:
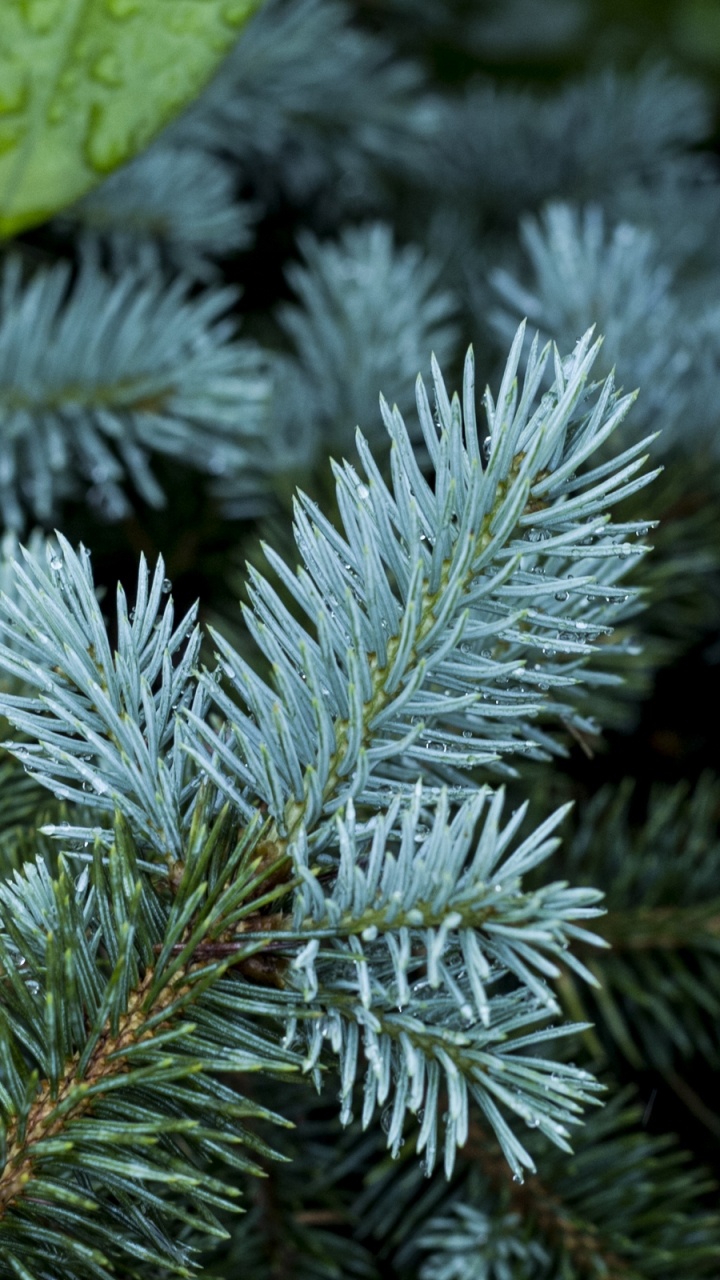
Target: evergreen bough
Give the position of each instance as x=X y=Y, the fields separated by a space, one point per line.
x=327 y=841
x=323 y=838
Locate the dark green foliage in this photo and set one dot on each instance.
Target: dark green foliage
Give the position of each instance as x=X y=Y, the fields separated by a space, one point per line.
x=660 y=984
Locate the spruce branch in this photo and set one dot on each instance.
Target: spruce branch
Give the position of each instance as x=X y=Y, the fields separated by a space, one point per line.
x=176 y=203
x=626 y=1204
x=368 y=313
x=98 y=374
x=450 y=987
x=657 y=998
x=113 y=1104
x=443 y=617
x=300 y=1219
x=622 y=1206
x=427 y=618
x=220 y=887
x=25 y=804
x=313 y=107
x=101 y=723
x=413 y=948
x=584 y=272
x=595 y=135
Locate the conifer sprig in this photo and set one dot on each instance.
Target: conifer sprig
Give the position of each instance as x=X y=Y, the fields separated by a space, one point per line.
x=177 y=204
x=623 y=1205
x=313 y=105
x=657 y=995
x=113 y=1054
x=98 y=374
x=448 y=619
x=369 y=313
x=220 y=887
x=364 y=909
x=413 y=949
x=586 y=272
x=103 y=726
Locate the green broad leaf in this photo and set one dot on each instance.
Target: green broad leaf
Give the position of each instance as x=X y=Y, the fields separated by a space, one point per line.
x=86 y=84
